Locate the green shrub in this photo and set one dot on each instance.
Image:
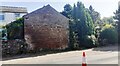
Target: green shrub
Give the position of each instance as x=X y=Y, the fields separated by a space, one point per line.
x=89 y=41
x=15 y=29
x=108 y=35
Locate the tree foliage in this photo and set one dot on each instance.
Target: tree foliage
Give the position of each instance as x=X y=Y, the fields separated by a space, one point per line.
x=67 y=10
x=15 y=29
x=81 y=25
x=117 y=17
x=108 y=35
x=95 y=15
x=109 y=20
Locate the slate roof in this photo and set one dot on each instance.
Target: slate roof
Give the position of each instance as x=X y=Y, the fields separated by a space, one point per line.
x=13 y=9
x=46 y=10
x=47 y=14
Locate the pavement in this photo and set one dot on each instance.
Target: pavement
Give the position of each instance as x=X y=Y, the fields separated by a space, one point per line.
x=101 y=55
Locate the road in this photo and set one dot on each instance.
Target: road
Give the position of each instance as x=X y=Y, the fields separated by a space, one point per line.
x=104 y=55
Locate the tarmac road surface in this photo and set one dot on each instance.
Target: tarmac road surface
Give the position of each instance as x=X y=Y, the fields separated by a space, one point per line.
x=102 y=55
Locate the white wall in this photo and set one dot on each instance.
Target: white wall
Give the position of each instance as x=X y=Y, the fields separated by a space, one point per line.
x=9 y=17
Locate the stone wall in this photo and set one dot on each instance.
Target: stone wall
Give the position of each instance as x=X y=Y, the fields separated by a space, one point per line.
x=46 y=28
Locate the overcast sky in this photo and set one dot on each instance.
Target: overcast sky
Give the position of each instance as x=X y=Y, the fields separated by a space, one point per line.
x=104 y=7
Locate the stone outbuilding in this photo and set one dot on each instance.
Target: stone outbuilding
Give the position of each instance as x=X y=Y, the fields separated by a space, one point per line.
x=45 y=28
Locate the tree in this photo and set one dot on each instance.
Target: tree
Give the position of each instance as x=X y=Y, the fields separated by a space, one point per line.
x=15 y=36
x=85 y=26
x=117 y=17
x=108 y=35
x=73 y=37
x=108 y=20
x=73 y=14
x=81 y=26
x=67 y=10
x=95 y=15
x=15 y=29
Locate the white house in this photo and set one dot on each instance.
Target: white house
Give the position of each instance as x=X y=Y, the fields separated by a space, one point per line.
x=9 y=14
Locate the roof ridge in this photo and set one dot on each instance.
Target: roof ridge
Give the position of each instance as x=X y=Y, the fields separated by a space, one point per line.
x=12 y=7
x=45 y=10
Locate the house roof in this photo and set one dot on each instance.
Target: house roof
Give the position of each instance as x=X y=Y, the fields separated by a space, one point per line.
x=13 y=9
x=46 y=10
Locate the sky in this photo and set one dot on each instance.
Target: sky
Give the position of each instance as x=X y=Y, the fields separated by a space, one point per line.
x=104 y=7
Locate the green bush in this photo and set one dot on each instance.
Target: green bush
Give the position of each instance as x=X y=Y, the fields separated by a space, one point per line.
x=108 y=35
x=15 y=29
x=15 y=38
x=90 y=41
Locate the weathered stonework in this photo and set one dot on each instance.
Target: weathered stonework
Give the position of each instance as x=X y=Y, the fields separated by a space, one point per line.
x=46 y=28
